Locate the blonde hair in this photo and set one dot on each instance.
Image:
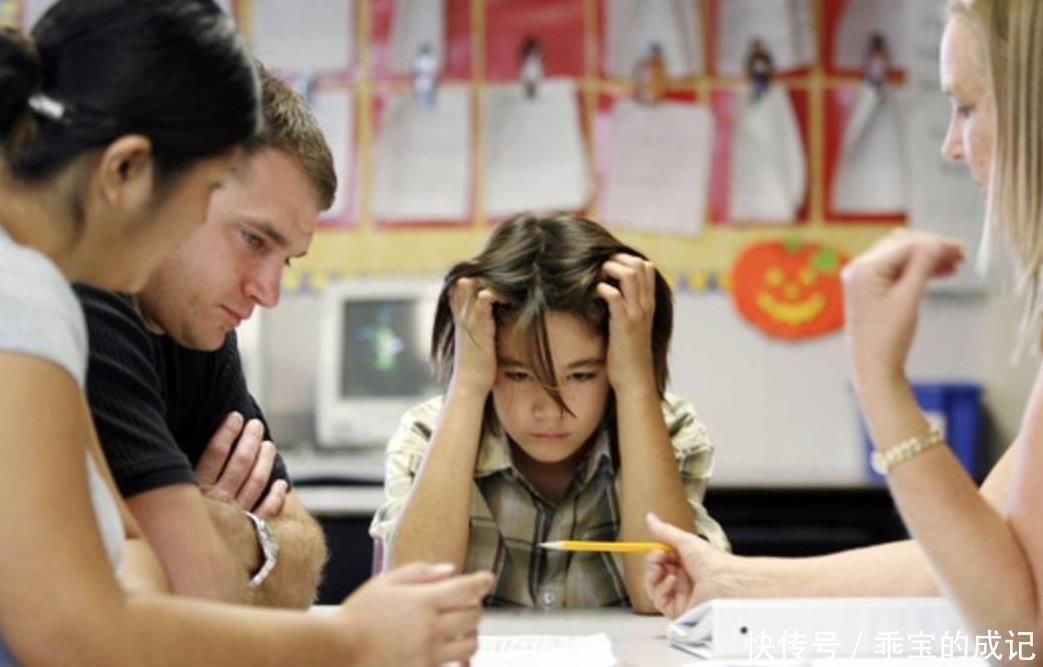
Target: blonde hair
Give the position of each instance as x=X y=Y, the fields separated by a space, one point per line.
x=1011 y=32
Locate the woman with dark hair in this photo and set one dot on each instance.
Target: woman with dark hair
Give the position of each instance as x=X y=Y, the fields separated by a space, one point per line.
x=117 y=119
x=555 y=424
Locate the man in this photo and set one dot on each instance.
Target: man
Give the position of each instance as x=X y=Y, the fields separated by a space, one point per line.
x=186 y=442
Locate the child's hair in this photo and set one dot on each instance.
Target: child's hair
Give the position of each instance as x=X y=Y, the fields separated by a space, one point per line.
x=95 y=70
x=539 y=264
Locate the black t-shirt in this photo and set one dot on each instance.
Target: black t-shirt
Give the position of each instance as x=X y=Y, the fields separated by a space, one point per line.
x=155 y=403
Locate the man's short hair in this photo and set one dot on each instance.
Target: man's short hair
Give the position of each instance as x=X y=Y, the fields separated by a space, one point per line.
x=291 y=128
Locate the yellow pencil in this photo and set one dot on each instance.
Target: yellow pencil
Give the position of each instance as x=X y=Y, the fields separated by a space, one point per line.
x=626 y=547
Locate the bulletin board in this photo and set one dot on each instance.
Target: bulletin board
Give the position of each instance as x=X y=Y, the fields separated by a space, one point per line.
x=347 y=57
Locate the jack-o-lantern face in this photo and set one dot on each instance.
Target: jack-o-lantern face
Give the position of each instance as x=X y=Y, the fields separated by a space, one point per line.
x=790 y=289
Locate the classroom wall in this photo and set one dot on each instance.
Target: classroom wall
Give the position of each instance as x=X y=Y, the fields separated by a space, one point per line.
x=780 y=413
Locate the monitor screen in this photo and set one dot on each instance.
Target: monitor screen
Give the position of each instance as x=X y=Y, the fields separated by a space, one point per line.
x=385 y=349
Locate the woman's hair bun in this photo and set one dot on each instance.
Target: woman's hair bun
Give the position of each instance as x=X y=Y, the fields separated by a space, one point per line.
x=20 y=77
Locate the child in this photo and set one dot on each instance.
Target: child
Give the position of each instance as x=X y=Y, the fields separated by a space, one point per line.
x=555 y=424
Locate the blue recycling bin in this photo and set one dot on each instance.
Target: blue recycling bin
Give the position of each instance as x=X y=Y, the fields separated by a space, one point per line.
x=955 y=408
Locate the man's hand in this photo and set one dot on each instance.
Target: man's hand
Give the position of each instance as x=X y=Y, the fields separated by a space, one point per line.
x=236 y=467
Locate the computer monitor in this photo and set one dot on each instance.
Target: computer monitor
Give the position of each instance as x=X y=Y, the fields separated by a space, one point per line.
x=374 y=344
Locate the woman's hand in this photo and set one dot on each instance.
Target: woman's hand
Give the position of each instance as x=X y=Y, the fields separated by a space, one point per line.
x=694 y=572
x=631 y=308
x=474 y=347
x=882 y=291
x=416 y=615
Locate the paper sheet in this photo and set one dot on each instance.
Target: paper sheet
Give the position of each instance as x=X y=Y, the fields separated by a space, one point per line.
x=544 y=651
x=871 y=176
x=658 y=161
x=632 y=27
x=786 y=26
x=295 y=36
x=533 y=148
x=862 y=18
x=768 y=174
x=413 y=24
x=421 y=165
x=333 y=110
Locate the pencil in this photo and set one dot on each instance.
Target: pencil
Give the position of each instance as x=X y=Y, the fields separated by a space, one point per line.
x=626 y=547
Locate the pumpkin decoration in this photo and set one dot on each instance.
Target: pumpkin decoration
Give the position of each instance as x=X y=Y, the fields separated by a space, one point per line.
x=790 y=288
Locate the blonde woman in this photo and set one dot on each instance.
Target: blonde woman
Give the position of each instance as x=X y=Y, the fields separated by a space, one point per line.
x=983 y=547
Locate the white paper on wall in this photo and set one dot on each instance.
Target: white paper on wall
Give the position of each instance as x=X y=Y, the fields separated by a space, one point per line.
x=333 y=110
x=768 y=175
x=633 y=26
x=533 y=149
x=303 y=37
x=870 y=176
x=787 y=28
x=415 y=23
x=658 y=161
x=421 y=166
x=862 y=18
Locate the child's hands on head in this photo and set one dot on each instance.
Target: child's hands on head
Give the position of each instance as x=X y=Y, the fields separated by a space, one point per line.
x=631 y=307
x=474 y=347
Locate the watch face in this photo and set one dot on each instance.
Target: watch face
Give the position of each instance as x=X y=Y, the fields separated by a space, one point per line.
x=269 y=547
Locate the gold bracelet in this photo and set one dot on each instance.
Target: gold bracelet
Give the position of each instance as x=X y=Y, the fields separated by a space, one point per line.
x=884 y=461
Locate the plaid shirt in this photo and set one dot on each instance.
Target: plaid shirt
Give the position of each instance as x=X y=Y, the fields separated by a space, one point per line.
x=509 y=517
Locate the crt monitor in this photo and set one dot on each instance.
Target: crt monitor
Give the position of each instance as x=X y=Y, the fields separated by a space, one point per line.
x=374 y=344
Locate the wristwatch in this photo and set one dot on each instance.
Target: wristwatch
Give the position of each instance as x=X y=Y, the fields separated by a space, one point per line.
x=269 y=548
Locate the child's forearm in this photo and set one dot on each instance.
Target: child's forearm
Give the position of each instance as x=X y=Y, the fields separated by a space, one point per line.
x=435 y=522
x=649 y=479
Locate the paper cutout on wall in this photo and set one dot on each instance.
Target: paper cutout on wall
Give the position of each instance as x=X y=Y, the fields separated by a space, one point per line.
x=415 y=23
x=768 y=173
x=789 y=289
x=534 y=153
x=422 y=161
x=787 y=28
x=303 y=37
x=871 y=176
x=657 y=161
x=633 y=27
x=861 y=19
x=333 y=110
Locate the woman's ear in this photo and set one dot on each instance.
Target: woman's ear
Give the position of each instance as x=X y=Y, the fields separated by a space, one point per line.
x=126 y=172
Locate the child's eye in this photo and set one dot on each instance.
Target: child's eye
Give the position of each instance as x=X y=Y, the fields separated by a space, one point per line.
x=516 y=376
x=582 y=377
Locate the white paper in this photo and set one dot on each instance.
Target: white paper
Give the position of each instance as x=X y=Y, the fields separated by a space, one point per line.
x=768 y=174
x=333 y=111
x=533 y=149
x=633 y=26
x=741 y=629
x=295 y=36
x=421 y=165
x=862 y=18
x=658 y=161
x=870 y=176
x=544 y=651
x=415 y=23
x=786 y=26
